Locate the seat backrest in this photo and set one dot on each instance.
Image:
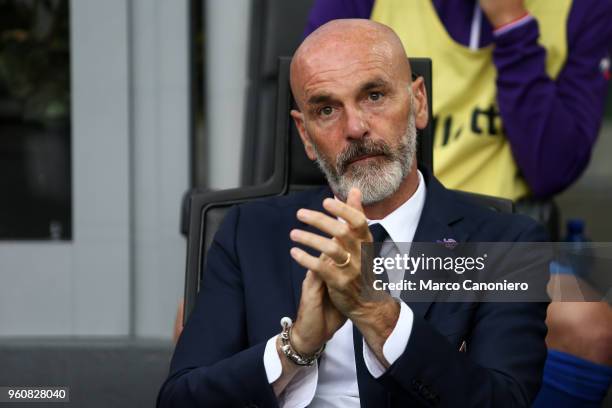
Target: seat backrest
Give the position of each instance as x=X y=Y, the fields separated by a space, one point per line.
x=292 y=170
x=268 y=19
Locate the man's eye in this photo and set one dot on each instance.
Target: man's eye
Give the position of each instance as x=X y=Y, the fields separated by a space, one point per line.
x=375 y=96
x=326 y=110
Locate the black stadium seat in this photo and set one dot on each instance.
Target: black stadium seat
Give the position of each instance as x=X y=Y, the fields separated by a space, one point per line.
x=269 y=18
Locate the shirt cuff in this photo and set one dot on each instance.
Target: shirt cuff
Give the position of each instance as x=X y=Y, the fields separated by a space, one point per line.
x=519 y=22
x=301 y=390
x=394 y=345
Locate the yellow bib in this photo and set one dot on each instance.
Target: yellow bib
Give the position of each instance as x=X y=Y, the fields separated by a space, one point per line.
x=471 y=152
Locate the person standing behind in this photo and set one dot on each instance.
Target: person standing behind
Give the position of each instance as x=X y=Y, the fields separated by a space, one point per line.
x=519 y=89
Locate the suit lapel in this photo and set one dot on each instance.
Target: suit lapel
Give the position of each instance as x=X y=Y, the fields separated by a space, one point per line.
x=435 y=224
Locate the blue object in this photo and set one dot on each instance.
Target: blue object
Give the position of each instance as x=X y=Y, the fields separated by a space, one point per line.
x=572 y=382
x=574 y=258
x=575 y=231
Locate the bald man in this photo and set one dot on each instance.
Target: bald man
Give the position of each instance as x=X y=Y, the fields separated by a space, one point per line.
x=298 y=258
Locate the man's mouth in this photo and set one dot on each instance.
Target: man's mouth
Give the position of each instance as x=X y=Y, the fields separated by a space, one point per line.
x=361 y=159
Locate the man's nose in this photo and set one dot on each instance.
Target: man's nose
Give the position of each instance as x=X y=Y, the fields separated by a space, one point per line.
x=356 y=124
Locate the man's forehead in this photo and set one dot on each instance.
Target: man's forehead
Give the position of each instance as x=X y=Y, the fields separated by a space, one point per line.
x=345 y=48
x=348 y=69
x=330 y=83
x=334 y=55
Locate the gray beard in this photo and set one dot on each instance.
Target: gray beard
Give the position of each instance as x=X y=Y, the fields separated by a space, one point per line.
x=377 y=180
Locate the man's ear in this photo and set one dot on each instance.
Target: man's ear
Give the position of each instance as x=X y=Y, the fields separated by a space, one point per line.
x=298 y=119
x=421 y=107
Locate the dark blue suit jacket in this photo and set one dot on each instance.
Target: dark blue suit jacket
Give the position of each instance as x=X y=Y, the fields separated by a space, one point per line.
x=251 y=282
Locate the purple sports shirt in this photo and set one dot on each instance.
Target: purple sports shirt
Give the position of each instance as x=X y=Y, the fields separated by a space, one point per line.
x=551 y=125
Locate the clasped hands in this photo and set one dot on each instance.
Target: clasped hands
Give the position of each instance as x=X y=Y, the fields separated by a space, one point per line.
x=333 y=289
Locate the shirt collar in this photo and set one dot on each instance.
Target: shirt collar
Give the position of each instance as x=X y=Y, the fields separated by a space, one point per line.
x=402 y=223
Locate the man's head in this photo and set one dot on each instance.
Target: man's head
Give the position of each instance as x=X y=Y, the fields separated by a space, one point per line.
x=358 y=107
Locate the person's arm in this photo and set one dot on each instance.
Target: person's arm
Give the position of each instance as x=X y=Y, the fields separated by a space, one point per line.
x=503 y=363
x=323 y=11
x=393 y=346
x=316 y=323
x=212 y=363
x=552 y=125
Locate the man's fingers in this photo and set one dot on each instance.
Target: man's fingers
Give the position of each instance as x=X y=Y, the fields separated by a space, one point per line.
x=314 y=264
x=312 y=289
x=311 y=281
x=324 y=223
x=353 y=216
x=329 y=247
x=354 y=199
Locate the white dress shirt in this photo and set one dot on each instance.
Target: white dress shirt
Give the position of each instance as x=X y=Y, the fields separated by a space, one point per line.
x=332 y=382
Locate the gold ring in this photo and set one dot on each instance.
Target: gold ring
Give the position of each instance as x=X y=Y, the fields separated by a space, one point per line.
x=345 y=263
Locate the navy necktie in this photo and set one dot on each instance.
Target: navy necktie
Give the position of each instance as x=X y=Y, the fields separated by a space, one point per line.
x=379 y=234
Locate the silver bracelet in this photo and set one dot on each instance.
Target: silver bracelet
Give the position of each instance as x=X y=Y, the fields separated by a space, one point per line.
x=288 y=350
